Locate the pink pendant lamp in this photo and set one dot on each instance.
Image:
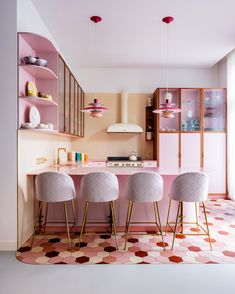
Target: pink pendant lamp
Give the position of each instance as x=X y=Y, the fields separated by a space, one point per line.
x=95 y=109
x=167 y=109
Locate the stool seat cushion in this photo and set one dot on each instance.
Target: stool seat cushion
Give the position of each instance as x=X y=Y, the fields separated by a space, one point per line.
x=144 y=187
x=190 y=187
x=99 y=187
x=54 y=187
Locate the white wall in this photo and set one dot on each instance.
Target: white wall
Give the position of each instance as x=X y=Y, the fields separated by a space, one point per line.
x=222 y=72
x=29 y=20
x=31 y=147
x=8 y=122
x=115 y=80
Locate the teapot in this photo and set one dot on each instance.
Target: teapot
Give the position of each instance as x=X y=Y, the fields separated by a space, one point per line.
x=132 y=156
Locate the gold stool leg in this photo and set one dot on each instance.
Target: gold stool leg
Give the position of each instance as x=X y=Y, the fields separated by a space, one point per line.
x=84 y=219
x=196 y=211
x=45 y=221
x=208 y=231
x=74 y=217
x=168 y=215
x=176 y=222
x=158 y=221
x=127 y=217
x=36 y=221
x=67 y=224
x=130 y=208
x=111 y=218
x=114 y=225
x=182 y=217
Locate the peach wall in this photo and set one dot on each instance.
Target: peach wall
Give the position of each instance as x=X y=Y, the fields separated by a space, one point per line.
x=98 y=144
x=30 y=147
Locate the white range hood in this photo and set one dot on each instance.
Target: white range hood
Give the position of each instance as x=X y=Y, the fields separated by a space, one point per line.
x=124 y=126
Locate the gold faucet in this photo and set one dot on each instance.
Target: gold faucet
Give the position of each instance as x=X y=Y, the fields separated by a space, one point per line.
x=58 y=154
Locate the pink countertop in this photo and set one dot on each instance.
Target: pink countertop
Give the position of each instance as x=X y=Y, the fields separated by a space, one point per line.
x=80 y=170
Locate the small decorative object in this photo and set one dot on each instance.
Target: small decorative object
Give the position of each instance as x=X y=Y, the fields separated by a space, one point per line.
x=132 y=156
x=35 y=60
x=34 y=116
x=167 y=109
x=31 y=89
x=149 y=101
x=41 y=62
x=95 y=109
x=27 y=126
x=30 y=59
x=190 y=114
x=45 y=96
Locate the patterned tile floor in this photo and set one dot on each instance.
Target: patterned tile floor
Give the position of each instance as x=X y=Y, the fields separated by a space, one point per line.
x=142 y=249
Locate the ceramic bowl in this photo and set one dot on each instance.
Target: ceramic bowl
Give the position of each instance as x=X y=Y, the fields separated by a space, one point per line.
x=41 y=62
x=30 y=59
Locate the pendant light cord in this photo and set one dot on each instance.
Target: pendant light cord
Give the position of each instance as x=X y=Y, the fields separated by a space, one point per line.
x=167 y=56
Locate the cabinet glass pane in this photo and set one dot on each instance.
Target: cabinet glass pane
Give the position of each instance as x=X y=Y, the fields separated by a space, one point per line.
x=79 y=110
x=190 y=110
x=82 y=113
x=214 y=110
x=61 y=76
x=67 y=100
x=169 y=124
x=76 y=109
x=72 y=92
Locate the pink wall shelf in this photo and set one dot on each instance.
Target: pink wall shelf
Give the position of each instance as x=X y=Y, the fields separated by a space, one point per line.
x=39 y=72
x=45 y=79
x=37 y=101
x=45 y=131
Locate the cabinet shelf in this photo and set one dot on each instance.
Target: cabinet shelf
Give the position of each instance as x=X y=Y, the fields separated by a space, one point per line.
x=48 y=132
x=39 y=72
x=38 y=101
x=168 y=132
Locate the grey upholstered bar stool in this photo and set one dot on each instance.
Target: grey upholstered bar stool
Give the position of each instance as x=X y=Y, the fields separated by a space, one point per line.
x=99 y=187
x=53 y=187
x=189 y=187
x=144 y=187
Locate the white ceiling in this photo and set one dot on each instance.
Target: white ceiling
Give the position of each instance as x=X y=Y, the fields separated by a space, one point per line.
x=133 y=35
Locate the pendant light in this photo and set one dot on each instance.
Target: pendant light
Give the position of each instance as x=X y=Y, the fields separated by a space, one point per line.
x=95 y=109
x=168 y=108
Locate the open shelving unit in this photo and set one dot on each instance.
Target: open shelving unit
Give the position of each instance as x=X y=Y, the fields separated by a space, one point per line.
x=56 y=79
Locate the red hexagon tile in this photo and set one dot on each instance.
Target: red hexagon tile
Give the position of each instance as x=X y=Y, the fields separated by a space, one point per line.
x=141 y=249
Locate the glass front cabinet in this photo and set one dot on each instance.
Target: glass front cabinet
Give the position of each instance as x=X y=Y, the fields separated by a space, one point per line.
x=71 y=101
x=196 y=137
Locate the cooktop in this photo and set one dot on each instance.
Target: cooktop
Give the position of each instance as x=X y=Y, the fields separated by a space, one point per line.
x=121 y=161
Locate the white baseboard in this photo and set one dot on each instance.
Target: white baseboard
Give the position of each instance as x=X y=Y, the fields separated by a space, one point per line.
x=8 y=245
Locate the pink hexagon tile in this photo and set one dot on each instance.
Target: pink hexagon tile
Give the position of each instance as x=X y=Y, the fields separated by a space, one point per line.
x=141 y=249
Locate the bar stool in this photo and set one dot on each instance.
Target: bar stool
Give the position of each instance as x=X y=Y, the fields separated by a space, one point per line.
x=144 y=187
x=53 y=187
x=99 y=187
x=189 y=187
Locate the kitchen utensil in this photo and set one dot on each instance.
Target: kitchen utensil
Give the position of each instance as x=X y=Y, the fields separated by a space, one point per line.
x=34 y=116
x=30 y=59
x=132 y=156
x=41 y=62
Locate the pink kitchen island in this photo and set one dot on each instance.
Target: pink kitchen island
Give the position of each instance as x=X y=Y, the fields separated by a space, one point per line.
x=100 y=211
